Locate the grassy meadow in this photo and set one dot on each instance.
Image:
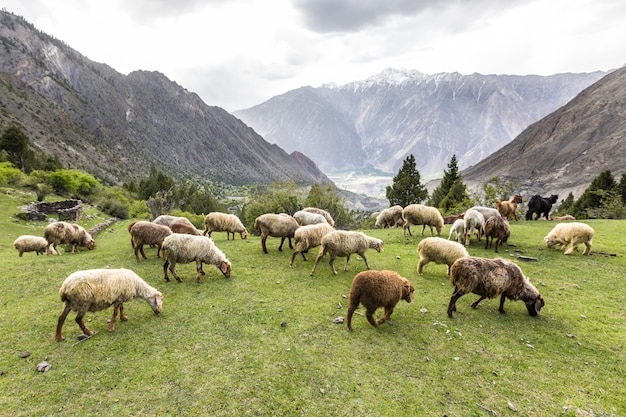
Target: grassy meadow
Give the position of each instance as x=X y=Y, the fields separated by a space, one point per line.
x=263 y=342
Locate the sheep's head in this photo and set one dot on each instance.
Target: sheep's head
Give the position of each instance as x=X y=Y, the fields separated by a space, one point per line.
x=156 y=302
x=225 y=268
x=534 y=306
x=244 y=233
x=376 y=244
x=407 y=291
x=550 y=241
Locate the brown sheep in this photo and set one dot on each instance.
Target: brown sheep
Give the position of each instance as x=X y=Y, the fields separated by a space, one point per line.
x=509 y=208
x=496 y=228
x=276 y=225
x=184 y=228
x=58 y=233
x=147 y=233
x=376 y=289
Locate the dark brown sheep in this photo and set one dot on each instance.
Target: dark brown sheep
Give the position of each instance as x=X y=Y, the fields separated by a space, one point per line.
x=184 y=228
x=496 y=228
x=147 y=233
x=376 y=289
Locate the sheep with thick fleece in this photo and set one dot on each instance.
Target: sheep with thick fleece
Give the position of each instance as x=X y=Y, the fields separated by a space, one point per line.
x=327 y=215
x=420 y=214
x=474 y=223
x=561 y=218
x=98 y=289
x=569 y=236
x=496 y=228
x=458 y=227
x=166 y=220
x=59 y=233
x=490 y=278
x=439 y=251
x=306 y=217
x=389 y=217
x=182 y=227
x=276 y=225
x=344 y=243
x=376 y=289
x=30 y=243
x=308 y=237
x=224 y=222
x=147 y=233
x=487 y=212
x=179 y=248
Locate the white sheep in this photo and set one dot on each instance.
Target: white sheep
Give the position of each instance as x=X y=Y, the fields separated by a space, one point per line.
x=59 y=233
x=224 y=222
x=323 y=212
x=147 y=233
x=343 y=244
x=487 y=212
x=389 y=217
x=308 y=237
x=439 y=251
x=98 y=289
x=474 y=223
x=30 y=243
x=490 y=278
x=306 y=217
x=179 y=248
x=166 y=220
x=276 y=225
x=376 y=289
x=570 y=235
x=458 y=227
x=420 y=214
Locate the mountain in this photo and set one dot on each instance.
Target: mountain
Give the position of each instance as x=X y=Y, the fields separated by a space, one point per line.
x=116 y=125
x=377 y=122
x=566 y=150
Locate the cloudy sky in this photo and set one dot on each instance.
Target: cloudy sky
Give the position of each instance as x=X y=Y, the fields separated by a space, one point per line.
x=238 y=53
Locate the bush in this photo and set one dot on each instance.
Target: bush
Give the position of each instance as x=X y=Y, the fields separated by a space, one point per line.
x=9 y=174
x=114 y=208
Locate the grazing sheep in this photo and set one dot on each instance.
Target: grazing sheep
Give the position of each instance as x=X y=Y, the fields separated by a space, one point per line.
x=452 y=219
x=30 y=243
x=474 y=223
x=486 y=211
x=323 y=212
x=147 y=233
x=420 y=214
x=59 y=233
x=98 y=289
x=509 y=208
x=490 y=278
x=184 y=228
x=376 y=289
x=276 y=225
x=389 y=217
x=308 y=237
x=306 y=217
x=459 y=228
x=166 y=220
x=439 y=251
x=224 y=222
x=178 y=248
x=540 y=205
x=561 y=218
x=570 y=235
x=343 y=244
x=496 y=228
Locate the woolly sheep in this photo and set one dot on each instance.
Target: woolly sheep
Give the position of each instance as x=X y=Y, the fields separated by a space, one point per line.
x=570 y=235
x=224 y=222
x=166 y=220
x=490 y=278
x=323 y=212
x=459 y=228
x=376 y=289
x=439 y=251
x=30 y=243
x=420 y=214
x=147 y=233
x=182 y=227
x=178 y=248
x=453 y=218
x=486 y=211
x=308 y=237
x=474 y=223
x=561 y=218
x=306 y=217
x=98 y=289
x=389 y=217
x=496 y=228
x=276 y=225
x=59 y=233
x=343 y=244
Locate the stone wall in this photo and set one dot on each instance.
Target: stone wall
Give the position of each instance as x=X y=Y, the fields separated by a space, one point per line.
x=71 y=210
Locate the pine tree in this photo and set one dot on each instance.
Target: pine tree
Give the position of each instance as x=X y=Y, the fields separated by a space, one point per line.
x=16 y=144
x=451 y=191
x=407 y=188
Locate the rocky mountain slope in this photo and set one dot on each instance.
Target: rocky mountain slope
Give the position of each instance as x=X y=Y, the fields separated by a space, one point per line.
x=379 y=121
x=116 y=125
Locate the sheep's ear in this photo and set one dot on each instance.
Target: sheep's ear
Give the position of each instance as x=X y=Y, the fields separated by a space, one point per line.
x=225 y=268
x=538 y=304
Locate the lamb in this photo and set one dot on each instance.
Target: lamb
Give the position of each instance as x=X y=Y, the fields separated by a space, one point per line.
x=376 y=289
x=30 y=243
x=308 y=237
x=490 y=278
x=561 y=218
x=344 y=243
x=276 y=225
x=389 y=217
x=509 y=208
x=439 y=251
x=420 y=214
x=459 y=228
x=147 y=233
x=179 y=248
x=224 y=222
x=496 y=228
x=166 y=220
x=323 y=212
x=182 y=227
x=570 y=235
x=474 y=223
x=98 y=289
x=306 y=217
x=59 y=233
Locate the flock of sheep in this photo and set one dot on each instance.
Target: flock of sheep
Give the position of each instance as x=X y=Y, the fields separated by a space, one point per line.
x=178 y=241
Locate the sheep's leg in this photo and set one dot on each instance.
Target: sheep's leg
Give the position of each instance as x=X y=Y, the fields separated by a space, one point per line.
x=320 y=255
x=57 y=336
x=136 y=249
x=123 y=316
x=388 y=312
x=165 y=265
x=364 y=259
x=332 y=263
x=370 y=316
x=571 y=249
x=420 y=266
x=423 y=228
x=199 y=271
x=407 y=228
x=501 y=309
x=290 y=244
x=487 y=242
x=497 y=243
x=349 y=317
x=475 y=303
x=282 y=240
x=587 y=248
x=81 y=323
x=174 y=271
x=455 y=296
x=345 y=267
x=158 y=251
x=263 y=239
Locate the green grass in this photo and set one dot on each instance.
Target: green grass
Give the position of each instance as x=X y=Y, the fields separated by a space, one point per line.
x=219 y=348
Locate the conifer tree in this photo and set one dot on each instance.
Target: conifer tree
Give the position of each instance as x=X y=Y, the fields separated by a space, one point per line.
x=407 y=187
